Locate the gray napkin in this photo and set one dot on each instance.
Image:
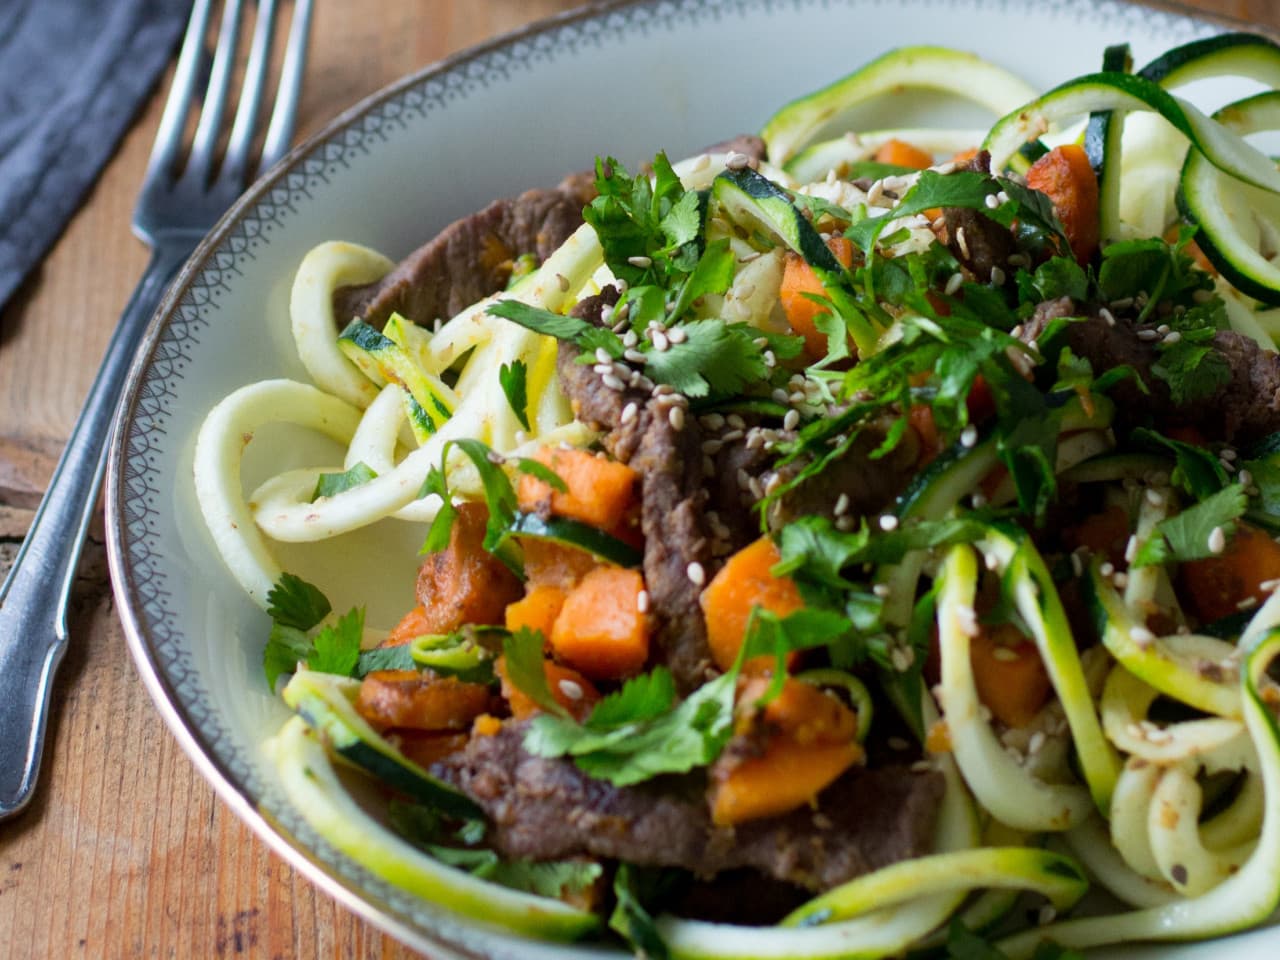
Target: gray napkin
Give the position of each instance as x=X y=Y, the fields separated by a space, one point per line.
x=73 y=74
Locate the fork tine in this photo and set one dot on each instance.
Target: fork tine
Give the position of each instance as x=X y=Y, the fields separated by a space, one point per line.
x=215 y=100
x=181 y=94
x=238 y=146
x=280 y=131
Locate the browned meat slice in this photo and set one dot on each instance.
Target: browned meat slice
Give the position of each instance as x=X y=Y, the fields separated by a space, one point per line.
x=977 y=241
x=471 y=258
x=543 y=809
x=464 y=583
x=1245 y=408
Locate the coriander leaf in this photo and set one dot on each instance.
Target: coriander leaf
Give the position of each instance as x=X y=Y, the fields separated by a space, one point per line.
x=337 y=648
x=643 y=697
x=286 y=647
x=540 y=471
x=331 y=484
x=526 y=669
x=442 y=523
x=715 y=358
x=1266 y=478
x=1186 y=535
x=293 y=602
x=713 y=273
x=1060 y=277
x=1197 y=471
x=399 y=657
x=539 y=320
x=598 y=338
x=630 y=918
x=513 y=378
x=1194 y=372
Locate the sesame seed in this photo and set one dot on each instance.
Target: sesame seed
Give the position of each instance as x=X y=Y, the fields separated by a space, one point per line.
x=1131 y=548
x=991 y=201
x=677 y=335
x=1248 y=603
x=630 y=339
x=712 y=446
x=1124 y=303
x=1154 y=497
x=842 y=505
x=642 y=601
x=571 y=689
x=675 y=416
x=1228 y=453
x=602 y=356
x=969 y=436
x=1267 y=586
x=1005 y=654
x=780 y=396
x=603 y=368
x=978 y=501
x=737 y=161
x=613 y=383
x=881 y=590
x=701 y=163
x=640 y=262
x=494 y=457
x=1107 y=315
x=770 y=360
x=797 y=396
x=888 y=522
x=962 y=243
x=731 y=435
x=635 y=356
x=1147 y=335
x=902 y=658
x=660 y=341
x=697 y=576
x=1107 y=568
x=1141 y=636
x=1171 y=338
x=1036 y=742
x=1162 y=329
x=1077 y=565
x=791 y=420
x=1046 y=915
x=1217 y=540
x=735 y=420
x=1121 y=579
x=954 y=282
x=1245 y=477
x=990 y=561
x=629 y=412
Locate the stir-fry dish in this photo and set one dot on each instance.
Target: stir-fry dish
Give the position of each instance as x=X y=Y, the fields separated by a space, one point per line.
x=831 y=547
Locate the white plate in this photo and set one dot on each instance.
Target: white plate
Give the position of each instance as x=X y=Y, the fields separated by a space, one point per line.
x=624 y=80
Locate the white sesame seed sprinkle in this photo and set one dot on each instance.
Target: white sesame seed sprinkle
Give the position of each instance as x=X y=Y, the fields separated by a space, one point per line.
x=1108 y=316
x=991 y=201
x=1217 y=540
x=1107 y=568
x=629 y=412
x=737 y=161
x=842 y=505
x=1245 y=477
x=635 y=356
x=571 y=689
x=677 y=335
x=962 y=243
x=642 y=601
x=1147 y=335
x=791 y=420
x=1154 y=497
x=1171 y=338
x=675 y=416
x=1004 y=654
x=954 y=283
x=969 y=436
x=697 y=576
x=611 y=381
x=640 y=261
x=881 y=590
x=888 y=522
x=602 y=356
x=660 y=341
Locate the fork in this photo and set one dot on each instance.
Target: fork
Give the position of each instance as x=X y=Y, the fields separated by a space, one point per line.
x=179 y=202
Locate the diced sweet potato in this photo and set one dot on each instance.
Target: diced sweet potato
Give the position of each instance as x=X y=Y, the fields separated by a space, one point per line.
x=1009 y=674
x=1216 y=587
x=410 y=699
x=600 y=629
x=601 y=492
x=571 y=689
x=799 y=280
x=801 y=711
x=537 y=610
x=787 y=775
x=899 y=153
x=1065 y=176
x=425 y=748
x=551 y=564
x=744 y=582
x=464 y=583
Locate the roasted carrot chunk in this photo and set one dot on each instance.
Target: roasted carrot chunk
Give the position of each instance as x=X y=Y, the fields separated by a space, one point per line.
x=1065 y=177
x=409 y=699
x=416 y=623
x=1105 y=533
x=787 y=775
x=551 y=564
x=571 y=689
x=801 y=710
x=798 y=280
x=600 y=629
x=425 y=748
x=903 y=154
x=537 y=610
x=1217 y=587
x=744 y=582
x=1009 y=674
x=600 y=491
x=464 y=583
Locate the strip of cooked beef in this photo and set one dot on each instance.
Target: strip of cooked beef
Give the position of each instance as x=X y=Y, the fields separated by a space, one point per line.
x=977 y=241
x=548 y=809
x=472 y=257
x=1245 y=408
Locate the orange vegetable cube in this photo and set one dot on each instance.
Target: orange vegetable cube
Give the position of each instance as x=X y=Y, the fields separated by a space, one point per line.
x=1009 y=674
x=743 y=583
x=899 y=153
x=1065 y=176
x=551 y=564
x=537 y=610
x=570 y=688
x=801 y=711
x=600 y=491
x=419 y=701
x=1216 y=586
x=798 y=280
x=464 y=583
x=787 y=775
x=600 y=629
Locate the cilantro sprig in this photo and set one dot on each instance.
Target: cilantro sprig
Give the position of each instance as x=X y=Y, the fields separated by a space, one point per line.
x=296 y=608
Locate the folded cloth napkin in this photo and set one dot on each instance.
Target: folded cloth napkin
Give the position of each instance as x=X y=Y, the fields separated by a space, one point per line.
x=72 y=75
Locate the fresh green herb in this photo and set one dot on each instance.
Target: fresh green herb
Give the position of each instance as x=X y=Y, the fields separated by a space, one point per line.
x=1196 y=470
x=632 y=886
x=513 y=380
x=716 y=357
x=293 y=602
x=639 y=735
x=526 y=671
x=296 y=607
x=332 y=484
x=1188 y=535
x=399 y=657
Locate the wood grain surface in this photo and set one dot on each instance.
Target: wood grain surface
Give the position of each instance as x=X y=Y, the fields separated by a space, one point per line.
x=125 y=851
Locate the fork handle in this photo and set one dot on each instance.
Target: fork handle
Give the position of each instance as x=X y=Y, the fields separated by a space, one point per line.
x=34 y=597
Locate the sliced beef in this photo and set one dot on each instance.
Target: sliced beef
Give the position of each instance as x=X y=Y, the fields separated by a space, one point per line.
x=472 y=257
x=977 y=241
x=1245 y=408
x=545 y=809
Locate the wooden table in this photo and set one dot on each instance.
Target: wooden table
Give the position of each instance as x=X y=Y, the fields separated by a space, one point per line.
x=125 y=851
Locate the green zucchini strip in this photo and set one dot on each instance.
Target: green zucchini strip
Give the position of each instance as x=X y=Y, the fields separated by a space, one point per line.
x=840 y=153
x=1173 y=823
x=1246 y=898
x=1091 y=844
x=1124 y=705
x=313 y=788
x=922 y=68
x=1169 y=664
x=1037 y=600
x=1226 y=150
x=1021 y=868
x=1000 y=784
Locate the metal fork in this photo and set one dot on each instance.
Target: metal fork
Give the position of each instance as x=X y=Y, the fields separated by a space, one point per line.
x=178 y=204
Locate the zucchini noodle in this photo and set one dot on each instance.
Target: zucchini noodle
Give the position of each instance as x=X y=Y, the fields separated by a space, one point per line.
x=1137 y=756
